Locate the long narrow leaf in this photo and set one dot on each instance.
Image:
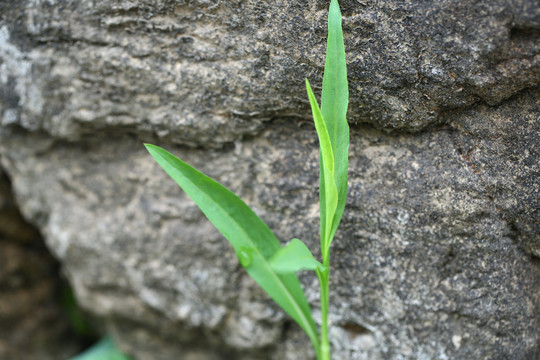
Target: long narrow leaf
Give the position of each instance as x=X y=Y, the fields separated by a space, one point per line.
x=334 y=103
x=328 y=191
x=252 y=240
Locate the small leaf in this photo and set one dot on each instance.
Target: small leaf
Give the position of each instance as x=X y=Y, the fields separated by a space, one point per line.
x=295 y=256
x=252 y=240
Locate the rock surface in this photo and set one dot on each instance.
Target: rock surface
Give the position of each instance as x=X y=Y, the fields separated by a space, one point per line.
x=437 y=256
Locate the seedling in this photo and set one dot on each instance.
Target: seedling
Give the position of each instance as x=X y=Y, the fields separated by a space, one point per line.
x=274 y=267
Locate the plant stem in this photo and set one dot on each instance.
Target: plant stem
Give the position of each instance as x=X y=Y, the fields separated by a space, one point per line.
x=324 y=285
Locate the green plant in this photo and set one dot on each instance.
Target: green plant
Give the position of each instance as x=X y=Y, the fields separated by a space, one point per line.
x=274 y=267
x=103 y=350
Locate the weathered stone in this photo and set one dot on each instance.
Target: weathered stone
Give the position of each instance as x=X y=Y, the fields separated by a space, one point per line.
x=437 y=256
x=208 y=72
x=502 y=148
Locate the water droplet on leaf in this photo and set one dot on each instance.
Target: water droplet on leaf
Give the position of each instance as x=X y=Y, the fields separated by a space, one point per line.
x=245 y=257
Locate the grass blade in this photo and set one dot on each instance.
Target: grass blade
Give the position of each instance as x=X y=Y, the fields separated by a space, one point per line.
x=334 y=103
x=252 y=240
x=328 y=190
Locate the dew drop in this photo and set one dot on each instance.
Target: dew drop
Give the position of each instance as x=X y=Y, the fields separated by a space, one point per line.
x=245 y=257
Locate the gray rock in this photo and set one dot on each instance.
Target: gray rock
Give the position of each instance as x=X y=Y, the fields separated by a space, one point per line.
x=208 y=72
x=437 y=256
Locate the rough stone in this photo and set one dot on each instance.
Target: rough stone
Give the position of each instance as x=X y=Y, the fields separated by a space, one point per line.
x=437 y=256
x=208 y=72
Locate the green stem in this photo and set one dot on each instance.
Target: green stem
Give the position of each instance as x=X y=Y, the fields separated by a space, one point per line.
x=325 y=301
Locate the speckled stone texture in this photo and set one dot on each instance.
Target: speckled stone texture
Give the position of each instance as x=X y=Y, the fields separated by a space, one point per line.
x=438 y=253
